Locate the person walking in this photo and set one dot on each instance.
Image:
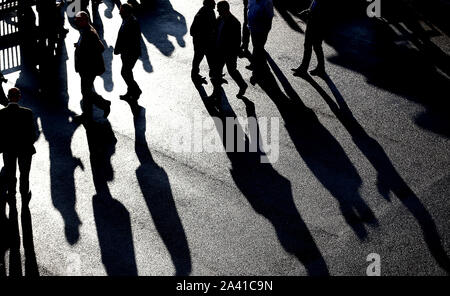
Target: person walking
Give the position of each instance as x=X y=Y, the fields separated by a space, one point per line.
x=245 y=53
x=203 y=32
x=17 y=139
x=260 y=16
x=314 y=35
x=227 y=49
x=128 y=45
x=89 y=64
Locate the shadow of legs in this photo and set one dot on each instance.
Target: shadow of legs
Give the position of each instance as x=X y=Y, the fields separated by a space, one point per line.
x=15 y=262
x=156 y=189
x=112 y=219
x=31 y=267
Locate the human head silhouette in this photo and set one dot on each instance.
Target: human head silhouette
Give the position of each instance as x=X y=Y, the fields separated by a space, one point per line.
x=82 y=20
x=209 y=3
x=14 y=95
x=223 y=7
x=126 y=10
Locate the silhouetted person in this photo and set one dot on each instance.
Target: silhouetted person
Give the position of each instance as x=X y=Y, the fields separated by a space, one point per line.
x=260 y=15
x=135 y=5
x=245 y=33
x=227 y=48
x=203 y=32
x=47 y=18
x=59 y=15
x=128 y=45
x=89 y=64
x=17 y=138
x=29 y=33
x=3 y=99
x=314 y=36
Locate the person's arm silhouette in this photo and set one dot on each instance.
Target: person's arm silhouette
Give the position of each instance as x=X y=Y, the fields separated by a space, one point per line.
x=3 y=99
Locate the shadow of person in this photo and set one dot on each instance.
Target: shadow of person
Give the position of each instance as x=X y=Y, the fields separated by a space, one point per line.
x=15 y=261
x=399 y=53
x=112 y=219
x=158 y=21
x=155 y=186
x=108 y=82
x=12 y=240
x=268 y=192
x=3 y=225
x=321 y=152
x=144 y=58
x=31 y=266
x=289 y=11
x=201 y=90
x=57 y=128
x=389 y=180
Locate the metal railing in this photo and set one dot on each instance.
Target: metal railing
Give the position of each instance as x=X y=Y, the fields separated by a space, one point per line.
x=10 y=56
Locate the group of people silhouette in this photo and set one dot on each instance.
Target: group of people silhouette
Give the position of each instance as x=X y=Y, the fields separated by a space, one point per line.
x=17 y=145
x=218 y=39
x=89 y=62
x=221 y=40
x=17 y=141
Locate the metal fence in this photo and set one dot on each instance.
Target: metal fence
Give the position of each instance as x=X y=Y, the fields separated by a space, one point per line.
x=9 y=47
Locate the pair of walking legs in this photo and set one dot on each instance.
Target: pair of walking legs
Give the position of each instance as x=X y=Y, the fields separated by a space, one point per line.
x=10 y=161
x=231 y=62
x=200 y=52
x=216 y=63
x=258 y=59
x=90 y=97
x=313 y=40
x=128 y=63
x=245 y=33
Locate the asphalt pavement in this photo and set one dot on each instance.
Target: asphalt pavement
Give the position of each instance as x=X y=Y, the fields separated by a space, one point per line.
x=361 y=165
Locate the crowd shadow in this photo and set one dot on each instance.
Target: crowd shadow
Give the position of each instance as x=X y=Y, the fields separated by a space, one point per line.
x=389 y=180
x=156 y=189
x=321 y=152
x=112 y=219
x=398 y=52
x=268 y=192
x=50 y=106
x=144 y=58
x=436 y=12
x=159 y=21
x=48 y=100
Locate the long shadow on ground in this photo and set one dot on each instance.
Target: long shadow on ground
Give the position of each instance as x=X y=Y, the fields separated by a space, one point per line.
x=268 y=192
